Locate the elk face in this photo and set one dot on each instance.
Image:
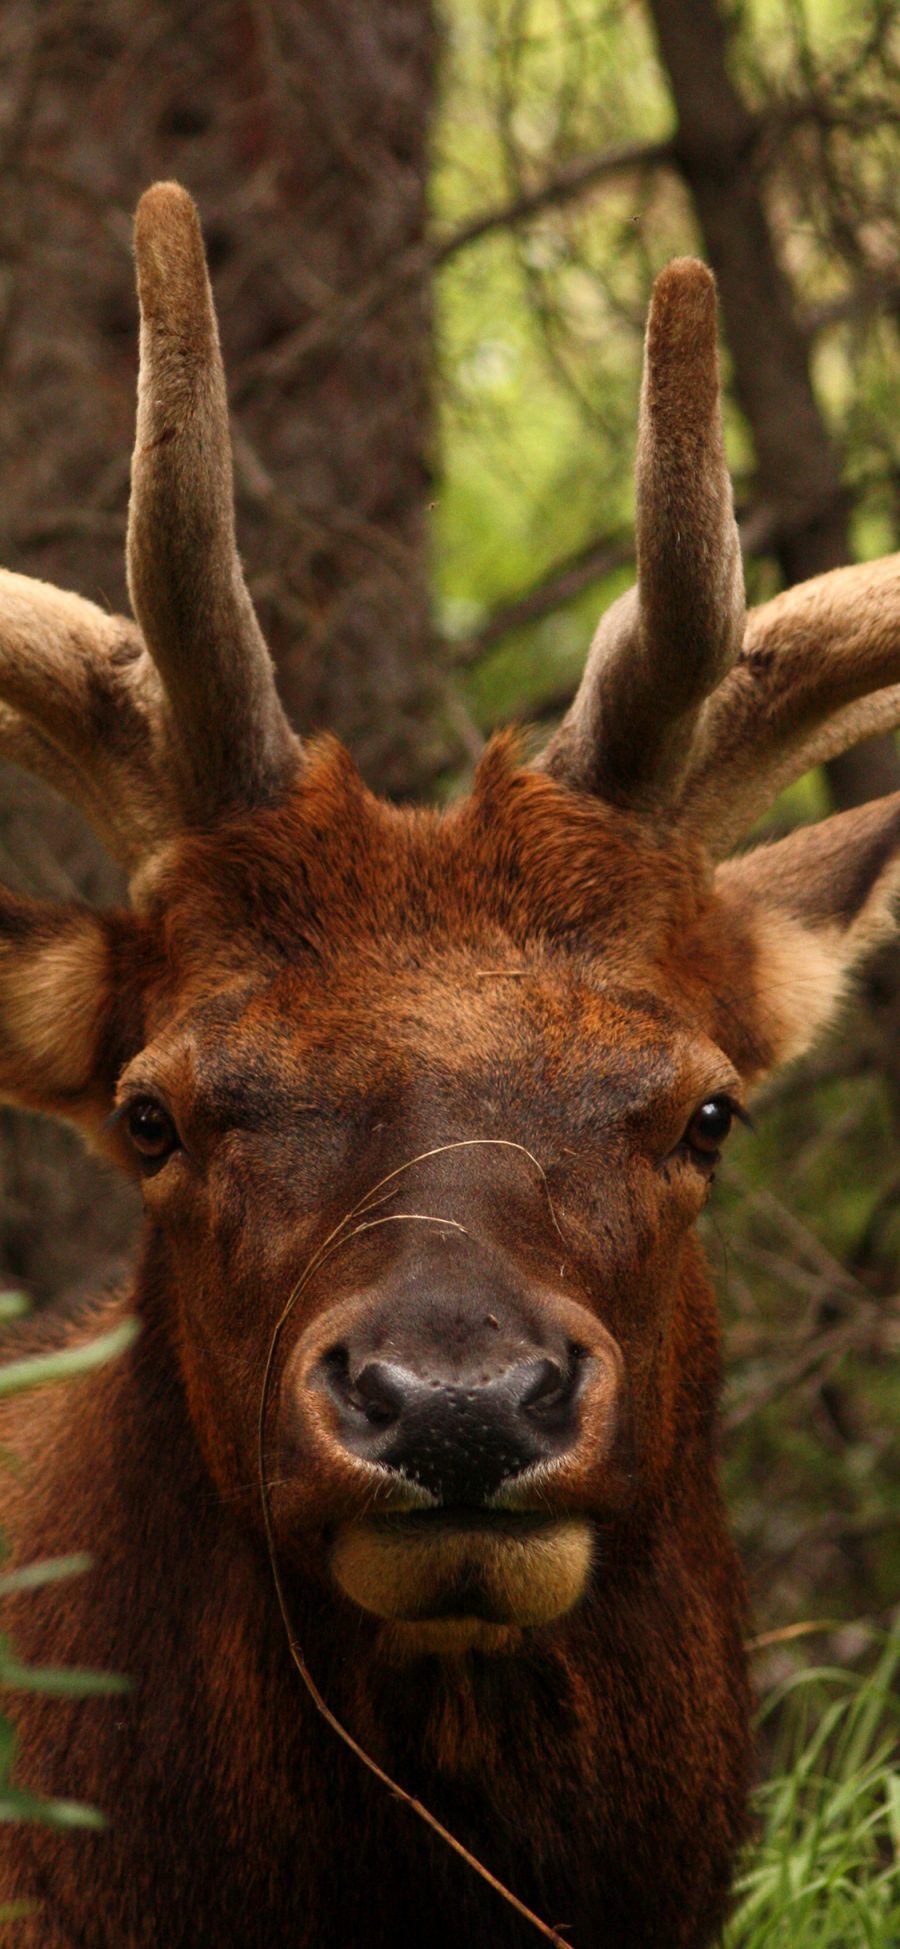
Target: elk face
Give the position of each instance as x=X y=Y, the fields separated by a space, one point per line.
x=424 y=1106
x=450 y=1153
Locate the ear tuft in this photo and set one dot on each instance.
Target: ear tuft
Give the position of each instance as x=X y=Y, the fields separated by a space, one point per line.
x=58 y=989
x=51 y=1006
x=815 y=905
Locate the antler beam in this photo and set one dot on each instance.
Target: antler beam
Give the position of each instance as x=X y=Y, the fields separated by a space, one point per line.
x=820 y=670
x=81 y=706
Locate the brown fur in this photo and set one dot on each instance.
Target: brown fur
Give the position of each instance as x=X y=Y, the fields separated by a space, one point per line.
x=268 y=948
x=391 y=922
x=433 y=1079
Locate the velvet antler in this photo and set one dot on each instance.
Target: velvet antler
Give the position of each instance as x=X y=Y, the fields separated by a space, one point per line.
x=820 y=670
x=184 y=574
x=684 y=709
x=662 y=648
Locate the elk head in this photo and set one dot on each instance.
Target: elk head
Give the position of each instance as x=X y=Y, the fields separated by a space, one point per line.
x=424 y=1104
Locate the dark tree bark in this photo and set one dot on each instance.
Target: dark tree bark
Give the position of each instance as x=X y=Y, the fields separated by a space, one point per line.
x=301 y=131
x=798 y=472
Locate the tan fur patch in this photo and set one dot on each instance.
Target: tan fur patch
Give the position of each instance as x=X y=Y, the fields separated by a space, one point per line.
x=804 y=972
x=802 y=978
x=52 y=998
x=527 y=1578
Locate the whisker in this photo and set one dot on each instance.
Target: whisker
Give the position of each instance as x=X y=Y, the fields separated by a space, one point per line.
x=396 y=1218
x=465 y=1143
x=329 y=1246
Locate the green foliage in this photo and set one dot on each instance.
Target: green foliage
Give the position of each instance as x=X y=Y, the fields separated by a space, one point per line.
x=40 y=1369
x=824 y=1873
x=16 y=1802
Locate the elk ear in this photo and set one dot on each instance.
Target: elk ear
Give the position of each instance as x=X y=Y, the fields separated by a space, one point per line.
x=63 y=1008
x=814 y=906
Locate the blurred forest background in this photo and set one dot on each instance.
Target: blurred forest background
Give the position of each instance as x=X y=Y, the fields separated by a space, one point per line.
x=432 y=240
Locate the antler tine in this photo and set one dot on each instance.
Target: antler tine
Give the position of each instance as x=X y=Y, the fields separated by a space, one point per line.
x=148 y=737
x=185 y=577
x=662 y=648
x=820 y=670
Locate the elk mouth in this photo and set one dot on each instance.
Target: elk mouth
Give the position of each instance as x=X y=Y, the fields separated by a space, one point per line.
x=463 y=1516
x=502 y=1567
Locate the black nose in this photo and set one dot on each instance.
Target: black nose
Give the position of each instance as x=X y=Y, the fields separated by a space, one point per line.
x=460 y=1440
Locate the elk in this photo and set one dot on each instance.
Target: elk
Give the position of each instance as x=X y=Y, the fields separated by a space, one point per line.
x=424 y=1105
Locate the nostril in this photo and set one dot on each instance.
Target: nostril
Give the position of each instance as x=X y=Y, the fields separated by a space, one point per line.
x=334 y=1369
x=547 y=1384
x=376 y=1395
x=553 y=1385
x=371 y=1394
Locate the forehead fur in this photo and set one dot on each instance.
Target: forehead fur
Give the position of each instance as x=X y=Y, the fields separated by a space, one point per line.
x=523 y=859
x=334 y=884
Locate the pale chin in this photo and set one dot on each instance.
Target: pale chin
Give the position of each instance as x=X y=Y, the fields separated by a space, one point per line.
x=419 y=1580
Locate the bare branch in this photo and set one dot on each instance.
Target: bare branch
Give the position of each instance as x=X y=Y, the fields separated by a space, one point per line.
x=566 y=186
x=870 y=294
x=565 y=580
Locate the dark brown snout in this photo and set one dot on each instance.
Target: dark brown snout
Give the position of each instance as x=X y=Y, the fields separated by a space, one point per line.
x=458 y=1430
x=451 y=1368
x=451 y=1425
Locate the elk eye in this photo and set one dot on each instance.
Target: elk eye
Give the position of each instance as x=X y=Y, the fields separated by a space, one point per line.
x=151 y=1129
x=709 y=1126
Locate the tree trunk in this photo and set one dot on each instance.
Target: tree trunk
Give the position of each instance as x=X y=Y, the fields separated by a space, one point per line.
x=301 y=130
